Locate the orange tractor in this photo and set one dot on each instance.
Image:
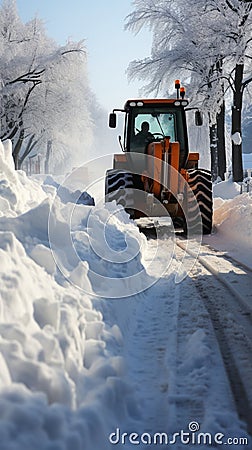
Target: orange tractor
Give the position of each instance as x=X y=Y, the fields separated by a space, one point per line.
x=156 y=175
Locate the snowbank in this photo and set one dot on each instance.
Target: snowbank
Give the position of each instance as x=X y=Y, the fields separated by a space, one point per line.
x=226 y=190
x=17 y=193
x=67 y=196
x=62 y=373
x=232 y=221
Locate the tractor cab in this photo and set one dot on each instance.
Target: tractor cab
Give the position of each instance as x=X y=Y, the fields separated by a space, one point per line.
x=149 y=121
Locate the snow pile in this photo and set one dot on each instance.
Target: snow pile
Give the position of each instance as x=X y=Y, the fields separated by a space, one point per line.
x=226 y=190
x=232 y=221
x=66 y=195
x=62 y=374
x=17 y=193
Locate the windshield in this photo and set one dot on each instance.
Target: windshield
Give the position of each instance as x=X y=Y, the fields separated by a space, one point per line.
x=160 y=124
x=151 y=123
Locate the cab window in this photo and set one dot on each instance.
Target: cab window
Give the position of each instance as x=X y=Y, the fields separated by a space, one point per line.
x=150 y=126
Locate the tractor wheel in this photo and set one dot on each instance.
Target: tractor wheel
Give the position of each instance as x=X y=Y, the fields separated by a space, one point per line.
x=201 y=185
x=119 y=186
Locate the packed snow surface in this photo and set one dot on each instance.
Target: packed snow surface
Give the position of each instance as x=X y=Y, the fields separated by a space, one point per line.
x=79 y=331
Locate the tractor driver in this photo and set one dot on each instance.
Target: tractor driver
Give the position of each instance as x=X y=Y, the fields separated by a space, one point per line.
x=143 y=137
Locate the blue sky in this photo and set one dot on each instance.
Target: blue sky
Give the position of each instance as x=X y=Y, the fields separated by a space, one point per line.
x=110 y=48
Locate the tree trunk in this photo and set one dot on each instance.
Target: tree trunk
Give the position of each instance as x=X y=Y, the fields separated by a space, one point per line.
x=214 y=151
x=17 y=148
x=221 y=146
x=29 y=147
x=48 y=154
x=217 y=132
x=237 y=165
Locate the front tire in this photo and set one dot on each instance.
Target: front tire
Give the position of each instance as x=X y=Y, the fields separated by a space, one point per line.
x=119 y=186
x=200 y=183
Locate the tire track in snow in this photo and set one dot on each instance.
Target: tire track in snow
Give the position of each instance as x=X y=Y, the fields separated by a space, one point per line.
x=228 y=272
x=175 y=361
x=152 y=350
x=225 y=289
x=235 y=346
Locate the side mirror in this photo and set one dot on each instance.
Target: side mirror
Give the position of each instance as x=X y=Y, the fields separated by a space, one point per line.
x=198 y=118
x=112 y=120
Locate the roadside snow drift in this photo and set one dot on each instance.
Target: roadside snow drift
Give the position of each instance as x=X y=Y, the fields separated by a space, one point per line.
x=61 y=378
x=232 y=221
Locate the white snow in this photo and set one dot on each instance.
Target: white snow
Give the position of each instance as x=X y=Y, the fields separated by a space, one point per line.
x=17 y=193
x=61 y=383
x=236 y=138
x=85 y=348
x=226 y=190
x=232 y=221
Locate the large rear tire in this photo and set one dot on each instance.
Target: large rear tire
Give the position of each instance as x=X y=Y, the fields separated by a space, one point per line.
x=200 y=182
x=119 y=186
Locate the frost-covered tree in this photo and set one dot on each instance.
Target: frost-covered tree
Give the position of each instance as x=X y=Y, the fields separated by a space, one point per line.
x=184 y=46
x=44 y=91
x=209 y=47
x=59 y=111
x=241 y=76
x=247 y=123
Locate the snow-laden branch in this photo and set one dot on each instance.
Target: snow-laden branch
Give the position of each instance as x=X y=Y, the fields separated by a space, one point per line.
x=32 y=76
x=246 y=81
